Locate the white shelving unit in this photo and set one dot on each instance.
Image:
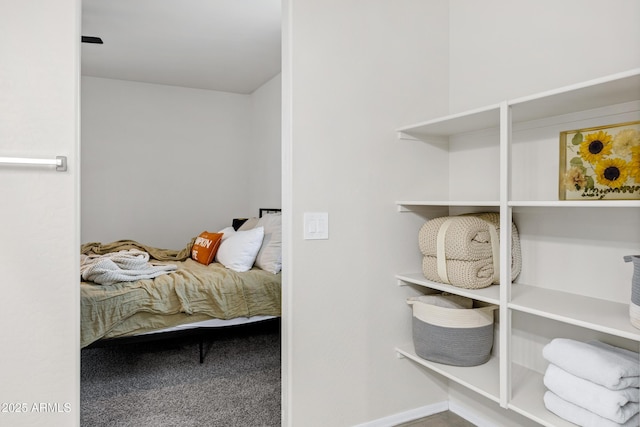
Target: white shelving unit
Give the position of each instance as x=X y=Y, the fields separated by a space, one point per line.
x=597 y=314
x=490 y=295
x=467 y=203
x=576 y=204
x=483 y=380
x=573 y=276
x=526 y=398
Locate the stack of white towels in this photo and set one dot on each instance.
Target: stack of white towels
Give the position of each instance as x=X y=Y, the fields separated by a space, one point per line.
x=592 y=384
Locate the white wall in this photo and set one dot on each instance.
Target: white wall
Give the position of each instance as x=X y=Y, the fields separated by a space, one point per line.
x=265 y=141
x=505 y=49
x=163 y=163
x=356 y=71
x=39 y=232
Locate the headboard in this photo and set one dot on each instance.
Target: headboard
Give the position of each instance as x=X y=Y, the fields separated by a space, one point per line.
x=268 y=211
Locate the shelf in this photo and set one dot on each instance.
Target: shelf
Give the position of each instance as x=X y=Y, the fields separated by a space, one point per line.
x=591 y=313
x=404 y=205
x=490 y=294
x=527 y=398
x=483 y=379
x=468 y=121
x=468 y=203
x=610 y=90
x=576 y=203
x=615 y=89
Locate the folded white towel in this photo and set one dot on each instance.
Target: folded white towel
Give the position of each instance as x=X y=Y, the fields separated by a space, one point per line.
x=609 y=366
x=616 y=405
x=581 y=416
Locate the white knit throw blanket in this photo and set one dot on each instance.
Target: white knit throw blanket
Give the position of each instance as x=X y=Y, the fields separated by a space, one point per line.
x=467 y=251
x=123 y=266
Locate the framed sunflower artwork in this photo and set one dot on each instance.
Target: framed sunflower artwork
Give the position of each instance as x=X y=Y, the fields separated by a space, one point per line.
x=601 y=163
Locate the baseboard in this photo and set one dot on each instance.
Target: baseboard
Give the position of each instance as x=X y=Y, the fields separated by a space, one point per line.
x=424 y=411
x=470 y=415
x=403 y=417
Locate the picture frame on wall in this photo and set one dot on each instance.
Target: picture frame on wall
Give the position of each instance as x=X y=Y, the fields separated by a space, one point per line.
x=600 y=163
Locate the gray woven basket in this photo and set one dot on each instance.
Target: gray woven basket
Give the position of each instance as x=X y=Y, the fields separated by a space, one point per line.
x=634 y=306
x=453 y=336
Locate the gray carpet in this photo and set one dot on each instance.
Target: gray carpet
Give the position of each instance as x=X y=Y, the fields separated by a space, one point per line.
x=163 y=383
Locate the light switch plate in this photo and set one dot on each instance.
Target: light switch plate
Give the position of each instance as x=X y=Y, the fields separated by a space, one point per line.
x=316 y=225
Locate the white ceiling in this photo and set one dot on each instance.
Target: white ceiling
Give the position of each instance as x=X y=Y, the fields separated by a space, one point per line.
x=224 y=45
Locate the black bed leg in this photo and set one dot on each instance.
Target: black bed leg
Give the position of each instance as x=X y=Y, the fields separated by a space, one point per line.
x=201 y=352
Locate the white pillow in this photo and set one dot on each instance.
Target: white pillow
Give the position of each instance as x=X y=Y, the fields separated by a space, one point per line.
x=238 y=250
x=269 y=257
x=226 y=232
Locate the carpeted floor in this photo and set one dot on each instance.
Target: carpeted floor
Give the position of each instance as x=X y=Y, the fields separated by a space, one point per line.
x=162 y=384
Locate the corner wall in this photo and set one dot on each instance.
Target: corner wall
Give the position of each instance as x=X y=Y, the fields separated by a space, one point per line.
x=160 y=164
x=354 y=72
x=265 y=146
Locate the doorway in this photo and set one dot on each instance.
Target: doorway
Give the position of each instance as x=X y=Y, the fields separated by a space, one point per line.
x=142 y=120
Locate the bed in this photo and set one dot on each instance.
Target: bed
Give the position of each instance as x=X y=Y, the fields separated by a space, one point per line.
x=239 y=282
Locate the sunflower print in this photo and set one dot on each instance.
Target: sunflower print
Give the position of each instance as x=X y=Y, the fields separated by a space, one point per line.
x=596 y=146
x=612 y=172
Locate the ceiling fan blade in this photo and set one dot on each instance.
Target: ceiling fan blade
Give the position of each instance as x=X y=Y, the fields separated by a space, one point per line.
x=91 y=39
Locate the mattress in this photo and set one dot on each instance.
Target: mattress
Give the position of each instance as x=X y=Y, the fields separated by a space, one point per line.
x=193 y=293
